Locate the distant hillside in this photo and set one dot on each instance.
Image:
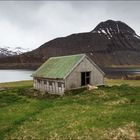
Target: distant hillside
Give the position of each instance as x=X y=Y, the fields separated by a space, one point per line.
x=110 y=43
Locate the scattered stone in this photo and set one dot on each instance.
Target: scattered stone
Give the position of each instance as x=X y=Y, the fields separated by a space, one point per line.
x=90 y=87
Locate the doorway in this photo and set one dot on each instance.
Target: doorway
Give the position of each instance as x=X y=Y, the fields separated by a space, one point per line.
x=85 y=78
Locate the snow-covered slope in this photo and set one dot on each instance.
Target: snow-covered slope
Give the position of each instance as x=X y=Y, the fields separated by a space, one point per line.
x=7 y=51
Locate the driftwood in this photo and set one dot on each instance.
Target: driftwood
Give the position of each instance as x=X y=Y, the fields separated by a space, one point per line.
x=90 y=87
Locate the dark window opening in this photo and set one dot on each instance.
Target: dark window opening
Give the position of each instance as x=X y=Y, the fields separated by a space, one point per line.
x=38 y=80
x=59 y=84
x=85 y=78
x=45 y=82
x=50 y=83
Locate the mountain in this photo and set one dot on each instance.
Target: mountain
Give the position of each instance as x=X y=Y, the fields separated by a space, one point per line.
x=7 y=51
x=109 y=43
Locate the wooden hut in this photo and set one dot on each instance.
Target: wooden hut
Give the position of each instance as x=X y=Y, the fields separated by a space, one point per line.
x=62 y=73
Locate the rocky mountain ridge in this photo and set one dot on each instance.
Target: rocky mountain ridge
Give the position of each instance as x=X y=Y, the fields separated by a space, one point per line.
x=109 y=43
x=8 y=51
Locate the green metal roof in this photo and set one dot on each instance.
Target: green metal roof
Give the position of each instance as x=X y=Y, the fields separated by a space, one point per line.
x=57 y=67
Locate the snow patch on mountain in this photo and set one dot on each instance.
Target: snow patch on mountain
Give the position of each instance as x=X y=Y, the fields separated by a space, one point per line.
x=9 y=51
x=111 y=29
x=138 y=37
x=103 y=31
x=118 y=28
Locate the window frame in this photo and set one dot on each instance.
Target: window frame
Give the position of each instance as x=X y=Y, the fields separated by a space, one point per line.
x=86 y=75
x=38 y=80
x=45 y=82
x=50 y=83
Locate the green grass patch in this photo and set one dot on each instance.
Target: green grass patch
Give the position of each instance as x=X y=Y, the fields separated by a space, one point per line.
x=109 y=112
x=16 y=84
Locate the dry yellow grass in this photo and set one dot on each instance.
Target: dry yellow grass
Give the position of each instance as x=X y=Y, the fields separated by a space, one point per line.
x=112 y=82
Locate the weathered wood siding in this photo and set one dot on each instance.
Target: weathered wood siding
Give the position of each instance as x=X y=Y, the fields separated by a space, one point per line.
x=74 y=79
x=56 y=86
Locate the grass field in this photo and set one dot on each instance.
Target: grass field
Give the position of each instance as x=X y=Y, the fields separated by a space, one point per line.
x=110 y=112
x=133 y=83
x=16 y=84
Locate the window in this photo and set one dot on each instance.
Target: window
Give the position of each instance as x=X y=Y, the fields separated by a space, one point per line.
x=38 y=80
x=50 y=83
x=85 y=78
x=59 y=84
x=45 y=82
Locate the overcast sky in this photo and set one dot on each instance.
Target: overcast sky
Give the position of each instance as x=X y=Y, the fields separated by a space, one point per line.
x=29 y=24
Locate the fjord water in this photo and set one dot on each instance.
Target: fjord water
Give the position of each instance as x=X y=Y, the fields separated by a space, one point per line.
x=15 y=75
x=122 y=71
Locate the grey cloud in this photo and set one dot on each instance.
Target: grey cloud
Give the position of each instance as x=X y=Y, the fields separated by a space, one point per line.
x=35 y=22
x=20 y=13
